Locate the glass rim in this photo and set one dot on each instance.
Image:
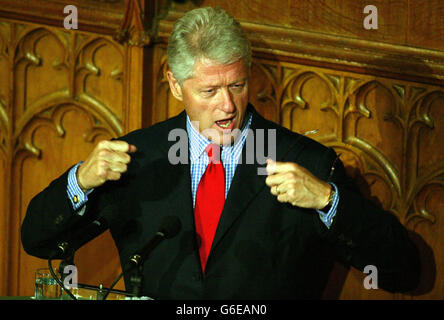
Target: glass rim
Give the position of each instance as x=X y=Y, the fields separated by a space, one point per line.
x=45 y=271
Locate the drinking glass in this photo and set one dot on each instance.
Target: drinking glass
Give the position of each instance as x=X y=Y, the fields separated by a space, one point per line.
x=46 y=287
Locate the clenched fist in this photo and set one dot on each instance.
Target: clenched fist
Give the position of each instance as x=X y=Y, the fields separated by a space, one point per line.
x=294 y=184
x=107 y=161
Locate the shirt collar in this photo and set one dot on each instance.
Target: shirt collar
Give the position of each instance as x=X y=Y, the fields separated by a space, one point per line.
x=198 y=143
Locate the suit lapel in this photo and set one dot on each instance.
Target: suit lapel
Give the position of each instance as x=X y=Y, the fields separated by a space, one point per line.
x=245 y=186
x=179 y=174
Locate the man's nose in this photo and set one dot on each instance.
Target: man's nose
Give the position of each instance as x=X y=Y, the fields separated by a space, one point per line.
x=228 y=105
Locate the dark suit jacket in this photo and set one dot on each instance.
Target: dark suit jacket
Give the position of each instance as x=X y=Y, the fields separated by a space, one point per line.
x=263 y=249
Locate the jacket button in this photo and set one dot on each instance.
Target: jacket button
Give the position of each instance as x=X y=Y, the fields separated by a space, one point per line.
x=58 y=220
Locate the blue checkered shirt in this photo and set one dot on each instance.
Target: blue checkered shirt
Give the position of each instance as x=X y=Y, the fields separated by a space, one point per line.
x=199 y=158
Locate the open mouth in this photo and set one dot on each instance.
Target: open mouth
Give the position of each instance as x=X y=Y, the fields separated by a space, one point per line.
x=225 y=124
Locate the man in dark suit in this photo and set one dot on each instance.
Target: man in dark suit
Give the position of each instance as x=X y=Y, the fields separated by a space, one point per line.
x=244 y=235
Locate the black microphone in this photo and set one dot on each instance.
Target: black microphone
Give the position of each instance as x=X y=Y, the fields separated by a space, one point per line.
x=78 y=238
x=169 y=228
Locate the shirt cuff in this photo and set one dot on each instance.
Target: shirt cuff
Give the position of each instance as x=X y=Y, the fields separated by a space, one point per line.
x=77 y=197
x=327 y=217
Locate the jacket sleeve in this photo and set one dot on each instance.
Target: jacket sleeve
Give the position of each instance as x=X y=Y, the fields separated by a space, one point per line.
x=362 y=234
x=50 y=219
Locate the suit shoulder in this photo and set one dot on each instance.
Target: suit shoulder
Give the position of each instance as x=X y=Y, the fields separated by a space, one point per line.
x=305 y=150
x=309 y=145
x=154 y=133
x=314 y=147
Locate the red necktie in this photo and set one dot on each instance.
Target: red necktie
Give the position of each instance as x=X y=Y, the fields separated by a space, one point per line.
x=210 y=199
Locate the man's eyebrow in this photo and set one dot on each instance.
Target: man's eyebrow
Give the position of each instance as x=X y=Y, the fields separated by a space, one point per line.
x=207 y=86
x=240 y=80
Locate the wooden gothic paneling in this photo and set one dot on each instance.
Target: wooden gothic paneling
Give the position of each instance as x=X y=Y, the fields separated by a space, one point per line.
x=375 y=96
x=67 y=95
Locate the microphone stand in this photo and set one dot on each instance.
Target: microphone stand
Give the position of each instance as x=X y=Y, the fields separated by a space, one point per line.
x=137 y=281
x=169 y=228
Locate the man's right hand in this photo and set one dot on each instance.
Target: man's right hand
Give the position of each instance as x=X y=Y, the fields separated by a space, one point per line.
x=107 y=161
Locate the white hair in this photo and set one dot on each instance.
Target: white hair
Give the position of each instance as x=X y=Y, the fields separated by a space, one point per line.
x=206 y=33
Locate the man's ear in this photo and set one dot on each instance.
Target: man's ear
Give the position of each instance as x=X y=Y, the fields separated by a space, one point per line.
x=175 y=87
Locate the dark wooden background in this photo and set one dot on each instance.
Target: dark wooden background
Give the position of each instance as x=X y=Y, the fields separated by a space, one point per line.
x=376 y=96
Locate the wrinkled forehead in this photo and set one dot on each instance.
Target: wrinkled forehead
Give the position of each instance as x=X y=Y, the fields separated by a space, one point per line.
x=209 y=72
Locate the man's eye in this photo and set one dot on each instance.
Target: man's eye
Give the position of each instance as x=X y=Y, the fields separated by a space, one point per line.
x=237 y=86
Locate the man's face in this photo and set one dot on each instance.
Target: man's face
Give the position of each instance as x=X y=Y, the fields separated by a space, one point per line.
x=215 y=97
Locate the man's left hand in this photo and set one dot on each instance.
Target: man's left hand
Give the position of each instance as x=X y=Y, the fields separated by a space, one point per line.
x=296 y=185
